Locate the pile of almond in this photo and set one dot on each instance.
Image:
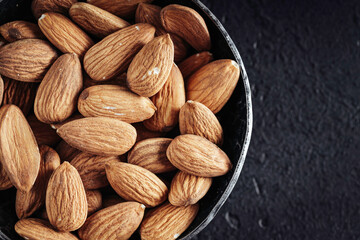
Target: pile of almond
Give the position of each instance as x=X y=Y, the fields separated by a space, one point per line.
x=88 y=101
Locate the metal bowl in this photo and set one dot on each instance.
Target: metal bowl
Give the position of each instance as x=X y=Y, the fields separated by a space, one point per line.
x=235 y=117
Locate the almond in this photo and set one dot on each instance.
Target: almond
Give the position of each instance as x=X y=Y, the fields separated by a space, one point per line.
x=66 y=203
x=198 y=156
x=28 y=202
x=188 y=24
x=58 y=92
x=37 y=229
x=213 y=84
x=39 y=7
x=117 y=222
x=99 y=135
x=151 y=155
x=168 y=102
x=147 y=74
x=111 y=200
x=1 y=89
x=94 y=200
x=92 y=169
x=144 y=133
x=17 y=30
x=194 y=63
x=19 y=152
x=112 y=55
x=167 y=222
x=188 y=189
x=5 y=182
x=96 y=21
x=135 y=183
x=195 y=118
x=122 y=8
x=64 y=34
x=115 y=102
x=44 y=133
x=26 y=60
x=66 y=152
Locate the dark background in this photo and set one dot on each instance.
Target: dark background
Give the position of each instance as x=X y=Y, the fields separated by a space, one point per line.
x=301 y=179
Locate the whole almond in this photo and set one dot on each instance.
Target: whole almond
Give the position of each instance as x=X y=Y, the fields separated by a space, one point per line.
x=99 y=135
x=27 y=60
x=94 y=200
x=28 y=202
x=17 y=30
x=111 y=200
x=57 y=94
x=64 y=34
x=66 y=152
x=122 y=8
x=194 y=63
x=144 y=133
x=95 y=20
x=213 y=84
x=5 y=182
x=39 y=7
x=112 y=55
x=198 y=156
x=188 y=189
x=66 y=203
x=19 y=152
x=38 y=229
x=195 y=118
x=44 y=133
x=92 y=169
x=168 y=102
x=115 y=102
x=1 y=89
x=188 y=24
x=147 y=75
x=167 y=222
x=134 y=183
x=117 y=222
x=151 y=155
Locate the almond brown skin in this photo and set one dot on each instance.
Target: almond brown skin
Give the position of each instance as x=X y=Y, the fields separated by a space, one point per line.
x=94 y=200
x=96 y=21
x=99 y=135
x=198 y=156
x=115 y=102
x=112 y=55
x=28 y=202
x=19 y=152
x=57 y=94
x=64 y=34
x=17 y=30
x=167 y=221
x=195 y=118
x=66 y=152
x=27 y=60
x=39 y=7
x=168 y=102
x=44 y=133
x=147 y=74
x=38 y=229
x=194 y=63
x=188 y=24
x=92 y=169
x=134 y=183
x=66 y=203
x=117 y=222
x=151 y=155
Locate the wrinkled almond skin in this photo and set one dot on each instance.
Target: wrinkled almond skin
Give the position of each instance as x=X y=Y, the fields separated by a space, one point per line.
x=17 y=30
x=167 y=222
x=66 y=152
x=117 y=222
x=134 y=183
x=188 y=189
x=94 y=200
x=28 y=202
x=38 y=229
x=26 y=60
x=19 y=152
x=99 y=135
x=5 y=182
x=57 y=94
x=151 y=67
x=188 y=24
x=168 y=102
x=121 y=8
x=44 y=133
x=198 y=156
x=151 y=155
x=194 y=63
x=213 y=84
x=195 y=118
x=96 y=21
x=39 y=7
x=112 y=55
x=92 y=169
x=64 y=34
x=66 y=203
x=115 y=102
